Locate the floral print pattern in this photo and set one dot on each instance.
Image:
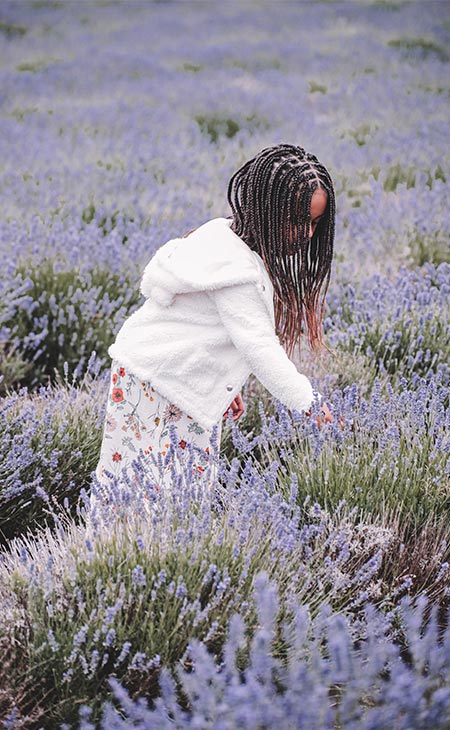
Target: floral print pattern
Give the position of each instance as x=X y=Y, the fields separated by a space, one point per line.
x=137 y=425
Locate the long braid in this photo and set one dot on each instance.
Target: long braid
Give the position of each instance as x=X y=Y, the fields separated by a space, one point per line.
x=270 y=197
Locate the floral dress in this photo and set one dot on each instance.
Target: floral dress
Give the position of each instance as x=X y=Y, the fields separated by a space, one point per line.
x=137 y=436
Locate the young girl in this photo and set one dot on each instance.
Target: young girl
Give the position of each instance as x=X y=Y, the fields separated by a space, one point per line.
x=219 y=301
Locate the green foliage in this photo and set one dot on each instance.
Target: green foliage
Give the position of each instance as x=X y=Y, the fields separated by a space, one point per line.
x=14 y=367
x=216 y=127
x=360 y=133
x=105 y=222
x=392 y=472
x=38 y=4
x=424 y=46
x=191 y=67
x=392 y=465
x=35 y=66
x=435 y=89
x=316 y=87
x=151 y=616
x=400 y=174
x=12 y=30
x=439 y=174
x=400 y=348
x=256 y=63
x=62 y=315
x=345 y=368
x=429 y=249
x=369 y=474
x=151 y=583
x=50 y=442
x=20 y=114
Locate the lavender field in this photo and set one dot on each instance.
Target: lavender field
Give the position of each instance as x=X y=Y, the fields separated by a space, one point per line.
x=310 y=588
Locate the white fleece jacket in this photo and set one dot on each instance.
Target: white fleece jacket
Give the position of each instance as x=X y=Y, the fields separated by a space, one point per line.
x=207 y=323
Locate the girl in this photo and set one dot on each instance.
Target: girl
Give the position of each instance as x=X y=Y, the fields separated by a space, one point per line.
x=219 y=303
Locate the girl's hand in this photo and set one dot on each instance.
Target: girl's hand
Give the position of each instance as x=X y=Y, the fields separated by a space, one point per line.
x=237 y=406
x=325 y=418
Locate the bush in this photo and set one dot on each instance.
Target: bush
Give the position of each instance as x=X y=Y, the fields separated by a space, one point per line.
x=123 y=595
x=50 y=316
x=388 y=454
x=327 y=680
x=215 y=126
x=399 y=326
x=49 y=445
x=422 y=46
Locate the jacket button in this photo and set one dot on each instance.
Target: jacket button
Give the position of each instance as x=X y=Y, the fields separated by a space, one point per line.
x=229 y=387
x=263 y=288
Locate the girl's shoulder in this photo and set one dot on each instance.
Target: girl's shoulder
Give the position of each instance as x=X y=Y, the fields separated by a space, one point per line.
x=209 y=257
x=185 y=235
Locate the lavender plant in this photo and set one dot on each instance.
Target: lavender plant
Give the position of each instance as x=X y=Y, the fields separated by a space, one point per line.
x=392 y=216
x=381 y=453
x=401 y=326
x=326 y=680
x=120 y=139
x=49 y=445
x=124 y=593
x=52 y=315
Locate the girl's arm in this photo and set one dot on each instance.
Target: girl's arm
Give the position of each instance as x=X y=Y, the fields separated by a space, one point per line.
x=250 y=328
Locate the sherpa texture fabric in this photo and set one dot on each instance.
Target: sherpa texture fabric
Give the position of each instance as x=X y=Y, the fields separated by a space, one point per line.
x=208 y=322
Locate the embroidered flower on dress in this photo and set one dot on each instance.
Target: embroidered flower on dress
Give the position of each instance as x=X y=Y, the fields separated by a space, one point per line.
x=172 y=413
x=111 y=423
x=117 y=395
x=130 y=431
x=195 y=428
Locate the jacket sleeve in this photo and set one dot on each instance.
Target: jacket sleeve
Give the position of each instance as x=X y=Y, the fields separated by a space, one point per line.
x=246 y=319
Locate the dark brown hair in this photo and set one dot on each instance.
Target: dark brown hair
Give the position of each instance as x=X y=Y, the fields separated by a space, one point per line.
x=270 y=197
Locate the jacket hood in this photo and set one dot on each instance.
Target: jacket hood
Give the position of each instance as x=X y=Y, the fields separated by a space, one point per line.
x=211 y=257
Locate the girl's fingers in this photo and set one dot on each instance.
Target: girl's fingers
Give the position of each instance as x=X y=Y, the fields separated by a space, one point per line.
x=232 y=406
x=326 y=417
x=237 y=406
x=240 y=406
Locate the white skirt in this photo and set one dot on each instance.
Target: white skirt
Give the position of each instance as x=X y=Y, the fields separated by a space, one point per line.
x=146 y=436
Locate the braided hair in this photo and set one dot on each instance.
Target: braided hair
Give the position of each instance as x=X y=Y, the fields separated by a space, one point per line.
x=270 y=197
